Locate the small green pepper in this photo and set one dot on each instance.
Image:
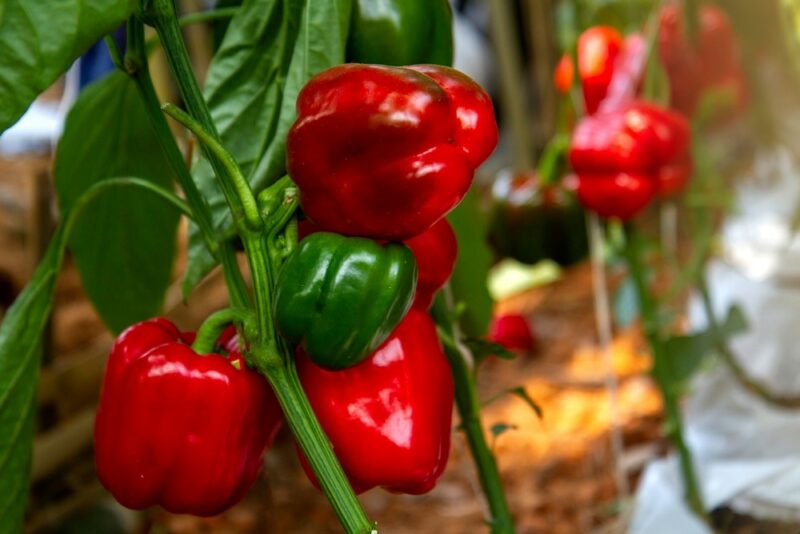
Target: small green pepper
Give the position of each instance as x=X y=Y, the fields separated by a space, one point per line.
x=401 y=32
x=340 y=297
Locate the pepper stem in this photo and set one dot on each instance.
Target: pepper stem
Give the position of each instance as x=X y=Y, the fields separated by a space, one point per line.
x=215 y=323
x=469 y=410
x=243 y=196
x=663 y=374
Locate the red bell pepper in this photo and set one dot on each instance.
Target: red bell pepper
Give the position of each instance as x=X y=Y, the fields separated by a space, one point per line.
x=385 y=152
x=435 y=250
x=626 y=157
x=598 y=48
x=710 y=63
x=178 y=429
x=611 y=68
x=389 y=417
x=513 y=331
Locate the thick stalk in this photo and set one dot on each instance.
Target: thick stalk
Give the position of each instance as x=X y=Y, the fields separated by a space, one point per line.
x=662 y=374
x=469 y=410
x=161 y=14
x=271 y=356
x=136 y=65
x=316 y=447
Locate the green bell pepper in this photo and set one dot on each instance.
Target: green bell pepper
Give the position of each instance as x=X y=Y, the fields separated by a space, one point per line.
x=531 y=222
x=401 y=32
x=340 y=297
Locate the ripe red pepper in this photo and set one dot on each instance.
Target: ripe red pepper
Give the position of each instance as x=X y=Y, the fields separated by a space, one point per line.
x=389 y=417
x=611 y=68
x=626 y=157
x=513 y=331
x=178 y=429
x=385 y=152
x=436 y=250
x=710 y=63
x=598 y=48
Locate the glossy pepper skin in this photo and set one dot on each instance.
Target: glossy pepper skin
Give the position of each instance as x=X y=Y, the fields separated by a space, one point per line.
x=435 y=250
x=531 y=222
x=401 y=32
x=710 y=63
x=625 y=158
x=385 y=152
x=389 y=417
x=340 y=297
x=180 y=430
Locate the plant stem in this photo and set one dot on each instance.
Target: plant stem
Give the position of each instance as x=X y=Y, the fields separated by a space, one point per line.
x=316 y=447
x=137 y=67
x=161 y=14
x=663 y=374
x=208 y=15
x=721 y=345
x=469 y=410
x=213 y=326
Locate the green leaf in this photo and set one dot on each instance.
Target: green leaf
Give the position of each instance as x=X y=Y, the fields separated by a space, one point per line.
x=40 y=39
x=469 y=280
x=20 y=352
x=482 y=349
x=687 y=353
x=522 y=393
x=499 y=429
x=271 y=49
x=125 y=246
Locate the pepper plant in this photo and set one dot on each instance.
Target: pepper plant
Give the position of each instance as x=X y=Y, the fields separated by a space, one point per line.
x=385 y=164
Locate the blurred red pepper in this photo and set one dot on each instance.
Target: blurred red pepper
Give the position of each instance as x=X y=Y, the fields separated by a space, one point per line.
x=385 y=152
x=711 y=63
x=436 y=250
x=598 y=48
x=179 y=429
x=611 y=68
x=624 y=158
x=513 y=331
x=389 y=417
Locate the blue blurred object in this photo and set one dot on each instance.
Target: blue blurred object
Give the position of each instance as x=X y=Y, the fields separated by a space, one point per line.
x=96 y=62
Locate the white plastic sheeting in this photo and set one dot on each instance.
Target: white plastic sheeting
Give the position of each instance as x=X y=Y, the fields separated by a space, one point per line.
x=747 y=451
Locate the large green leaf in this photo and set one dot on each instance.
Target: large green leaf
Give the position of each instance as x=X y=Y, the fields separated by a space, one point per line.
x=40 y=39
x=20 y=336
x=470 y=277
x=271 y=49
x=687 y=353
x=125 y=246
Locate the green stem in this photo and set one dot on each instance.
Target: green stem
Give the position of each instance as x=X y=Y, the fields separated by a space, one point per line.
x=239 y=196
x=161 y=14
x=316 y=447
x=269 y=353
x=662 y=374
x=721 y=345
x=207 y=15
x=469 y=410
x=137 y=68
x=213 y=326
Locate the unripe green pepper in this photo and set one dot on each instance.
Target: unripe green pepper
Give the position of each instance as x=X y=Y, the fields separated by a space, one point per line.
x=340 y=297
x=401 y=32
x=531 y=222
